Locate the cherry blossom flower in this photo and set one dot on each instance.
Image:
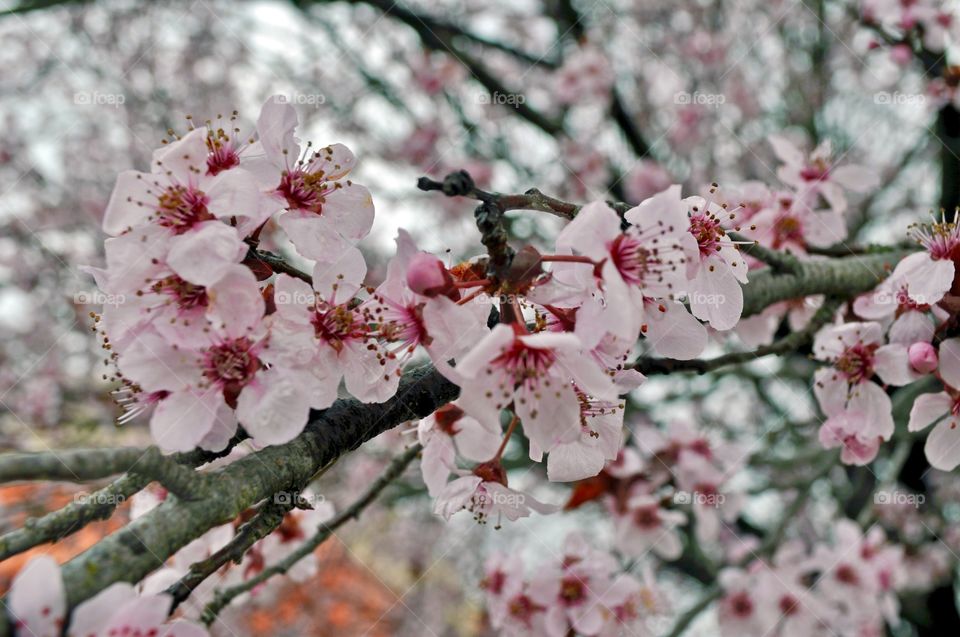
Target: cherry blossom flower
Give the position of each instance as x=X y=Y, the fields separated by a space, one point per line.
x=540 y=375
x=943 y=443
x=417 y=305
x=929 y=275
x=715 y=268
x=640 y=268
x=448 y=432
x=324 y=333
x=819 y=174
x=858 y=410
x=200 y=385
x=646 y=526
x=890 y=303
x=570 y=591
x=179 y=196
x=789 y=223
x=484 y=493
x=326 y=212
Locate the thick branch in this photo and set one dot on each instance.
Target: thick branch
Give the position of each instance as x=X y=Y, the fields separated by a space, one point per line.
x=145 y=544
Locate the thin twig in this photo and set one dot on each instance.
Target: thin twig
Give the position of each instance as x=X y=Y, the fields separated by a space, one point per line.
x=394 y=470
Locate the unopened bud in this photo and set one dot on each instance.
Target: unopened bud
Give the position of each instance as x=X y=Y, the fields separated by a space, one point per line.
x=426 y=275
x=923 y=357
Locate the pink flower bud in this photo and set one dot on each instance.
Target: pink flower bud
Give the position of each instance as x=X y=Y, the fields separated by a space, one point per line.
x=923 y=357
x=426 y=275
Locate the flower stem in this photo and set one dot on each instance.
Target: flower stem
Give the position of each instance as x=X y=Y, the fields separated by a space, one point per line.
x=506 y=437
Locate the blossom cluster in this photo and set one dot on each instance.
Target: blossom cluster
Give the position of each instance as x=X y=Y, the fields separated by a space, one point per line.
x=583 y=591
x=848 y=586
x=899 y=341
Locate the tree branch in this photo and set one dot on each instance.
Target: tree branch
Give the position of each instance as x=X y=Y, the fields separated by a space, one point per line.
x=77 y=465
x=393 y=471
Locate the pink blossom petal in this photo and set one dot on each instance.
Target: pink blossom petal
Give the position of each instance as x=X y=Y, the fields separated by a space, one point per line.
x=674 y=333
x=155 y=365
x=236 y=302
x=573 y=461
x=131 y=202
x=183 y=159
x=550 y=415
x=453 y=329
x=822 y=229
x=184 y=418
x=335 y=160
x=590 y=231
x=273 y=408
x=834 y=196
x=204 y=254
x=491 y=346
x=366 y=378
x=786 y=151
x=943 y=445
x=927 y=279
x=892 y=365
x=139 y=615
x=183 y=628
x=275 y=127
x=37 y=599
x=338 y=280
x=715 y=295
x=927 y=409
x=234 y=193
x=476 y=441
x=855 y=178
x=91 y=617
x=350 y=210
x=313 y=235
x=437 y=463
x=950 y=361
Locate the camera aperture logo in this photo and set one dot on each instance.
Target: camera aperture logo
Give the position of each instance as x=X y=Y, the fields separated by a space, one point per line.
x=701 y=498
x=515 y=100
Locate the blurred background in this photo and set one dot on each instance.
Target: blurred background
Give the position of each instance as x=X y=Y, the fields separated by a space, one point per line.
x=583 y=100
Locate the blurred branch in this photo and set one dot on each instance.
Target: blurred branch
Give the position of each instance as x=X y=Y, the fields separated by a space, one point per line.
x=393 y=471
x=266 y=520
